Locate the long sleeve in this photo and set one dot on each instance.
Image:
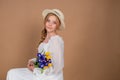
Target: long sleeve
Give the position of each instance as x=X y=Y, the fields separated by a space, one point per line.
x=33 y=59
x=56 y=47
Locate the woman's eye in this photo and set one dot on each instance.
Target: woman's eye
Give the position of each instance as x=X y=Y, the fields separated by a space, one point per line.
x=48 y=20
x=54 y=22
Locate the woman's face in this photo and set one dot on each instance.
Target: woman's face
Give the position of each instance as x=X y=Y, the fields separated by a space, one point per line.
x=51 y=24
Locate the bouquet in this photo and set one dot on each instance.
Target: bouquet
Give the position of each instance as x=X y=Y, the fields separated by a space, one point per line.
x=43 y=61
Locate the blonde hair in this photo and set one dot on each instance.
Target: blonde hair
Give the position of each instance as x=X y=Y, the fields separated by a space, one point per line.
x=44 y=31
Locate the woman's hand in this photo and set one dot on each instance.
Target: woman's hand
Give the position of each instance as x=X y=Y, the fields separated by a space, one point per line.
x=30 y=65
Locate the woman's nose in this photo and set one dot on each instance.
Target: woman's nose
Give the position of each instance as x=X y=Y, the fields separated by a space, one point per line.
x=50 y=23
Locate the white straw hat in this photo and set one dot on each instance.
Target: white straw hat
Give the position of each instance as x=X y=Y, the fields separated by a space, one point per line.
x=58 y=13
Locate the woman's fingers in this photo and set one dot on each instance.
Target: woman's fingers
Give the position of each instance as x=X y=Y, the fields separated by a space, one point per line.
x=30 y=65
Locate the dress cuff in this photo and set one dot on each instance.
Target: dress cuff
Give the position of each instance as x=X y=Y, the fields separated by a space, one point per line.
x=33 y=59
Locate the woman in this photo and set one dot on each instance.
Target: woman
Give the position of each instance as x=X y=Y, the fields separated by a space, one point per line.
x=51 y=42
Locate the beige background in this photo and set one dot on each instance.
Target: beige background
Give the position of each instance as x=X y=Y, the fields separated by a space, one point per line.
x=92 y=36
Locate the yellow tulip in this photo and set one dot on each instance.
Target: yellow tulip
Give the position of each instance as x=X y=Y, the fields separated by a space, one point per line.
x=45 y=67
x=47 y=53
x=50 y=64
x=48 y=57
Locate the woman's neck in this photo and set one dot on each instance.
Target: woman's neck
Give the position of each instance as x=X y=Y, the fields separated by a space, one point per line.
x=51 y=34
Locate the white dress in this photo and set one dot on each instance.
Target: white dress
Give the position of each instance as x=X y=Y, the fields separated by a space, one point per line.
x=56 y=47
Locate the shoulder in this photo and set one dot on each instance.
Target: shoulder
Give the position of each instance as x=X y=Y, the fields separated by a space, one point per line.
x=57 y=39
